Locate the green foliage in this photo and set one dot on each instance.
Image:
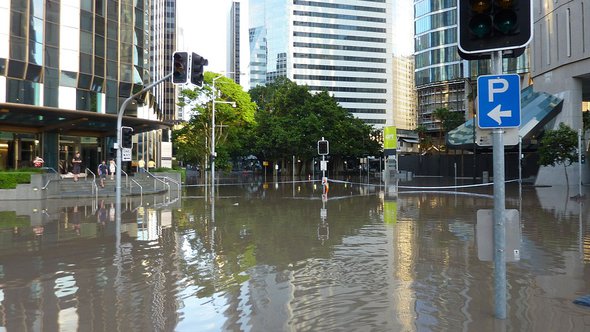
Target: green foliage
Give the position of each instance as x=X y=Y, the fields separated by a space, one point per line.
x=449 y=120
x=291 y=120
x=452 y=121
x=192 y=141
x=9 y=180
x=558 y=146
x=182 y=171
x=9 y=219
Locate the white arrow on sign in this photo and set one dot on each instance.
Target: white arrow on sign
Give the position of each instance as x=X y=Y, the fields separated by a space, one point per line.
x=497 y=114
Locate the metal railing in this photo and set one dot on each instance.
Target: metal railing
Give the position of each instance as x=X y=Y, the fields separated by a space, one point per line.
x=94 y=185
x=178 y=185
x=50 y=168
x=126 y=178
x=48 y=182
x=140 y=189
x=157 y=179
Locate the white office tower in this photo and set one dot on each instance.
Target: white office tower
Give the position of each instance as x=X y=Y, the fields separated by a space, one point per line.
x=340 y=46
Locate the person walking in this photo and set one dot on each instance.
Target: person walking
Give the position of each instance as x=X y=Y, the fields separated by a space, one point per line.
x=151 y=165
x=76 y=165
x=112 y=168
x=102 y=172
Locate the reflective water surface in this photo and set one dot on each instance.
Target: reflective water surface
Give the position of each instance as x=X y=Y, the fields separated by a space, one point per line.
x=280 y=257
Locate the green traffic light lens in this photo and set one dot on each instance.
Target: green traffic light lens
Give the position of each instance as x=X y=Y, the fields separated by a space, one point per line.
x=505 y=21
x=480 y=25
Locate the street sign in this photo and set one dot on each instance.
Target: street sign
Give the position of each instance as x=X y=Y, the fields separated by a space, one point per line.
x=498 y=101
x=126 y=154
x=485 y=235
x=483 y=137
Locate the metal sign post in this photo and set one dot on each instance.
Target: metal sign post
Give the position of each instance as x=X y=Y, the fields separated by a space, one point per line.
x=499 y=108
x=323 y=150
x=120 y=151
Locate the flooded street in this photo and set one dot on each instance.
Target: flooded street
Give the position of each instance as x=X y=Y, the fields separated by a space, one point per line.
x=276 y=256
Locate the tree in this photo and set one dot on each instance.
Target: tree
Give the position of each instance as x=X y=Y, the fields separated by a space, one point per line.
x=192 y=141
x=448 y=120
x=559 y=146
x=425 y=141
x=290 y=121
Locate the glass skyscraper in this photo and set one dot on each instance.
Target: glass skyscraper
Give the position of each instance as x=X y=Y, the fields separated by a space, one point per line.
x=442 y=77
x=65 y=68
x=340 y=46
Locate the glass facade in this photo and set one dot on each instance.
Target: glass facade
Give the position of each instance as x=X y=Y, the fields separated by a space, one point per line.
x=341 y=46
x=441 y=75
x=85 y=55
x=234 y=42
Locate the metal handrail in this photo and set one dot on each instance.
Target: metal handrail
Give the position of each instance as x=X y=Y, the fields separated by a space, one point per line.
x=47 y=184
x=50 y=168
x=94 y=185
x=156 y=178
x=140 y=189
x=172 y=180
x=49 y=181
x=126 y=178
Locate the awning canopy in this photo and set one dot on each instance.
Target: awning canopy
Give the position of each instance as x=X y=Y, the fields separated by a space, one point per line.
x=410 y=140
x=23 y=118
x=537 y=109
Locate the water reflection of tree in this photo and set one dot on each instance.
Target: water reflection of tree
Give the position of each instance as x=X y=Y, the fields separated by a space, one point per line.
x=277 y=232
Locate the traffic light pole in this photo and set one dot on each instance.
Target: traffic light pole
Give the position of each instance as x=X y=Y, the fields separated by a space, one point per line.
x=119 y=153
x=499 y=209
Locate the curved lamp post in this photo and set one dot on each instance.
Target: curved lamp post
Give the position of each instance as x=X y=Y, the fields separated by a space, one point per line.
x=213 y=153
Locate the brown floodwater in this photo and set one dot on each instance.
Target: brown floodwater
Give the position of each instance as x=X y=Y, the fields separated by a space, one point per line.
x=278 y=256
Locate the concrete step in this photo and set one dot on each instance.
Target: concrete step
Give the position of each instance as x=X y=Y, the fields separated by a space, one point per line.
x=84 y=188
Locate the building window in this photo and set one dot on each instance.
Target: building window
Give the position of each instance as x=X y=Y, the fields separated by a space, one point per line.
x=68 y=79
x=16 y=69
x=34 y=73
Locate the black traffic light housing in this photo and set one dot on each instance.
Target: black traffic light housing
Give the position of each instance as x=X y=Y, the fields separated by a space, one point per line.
x=127 y=137
x=323 y=147
x=180 y=67
x=494 y=25
x=197 y=69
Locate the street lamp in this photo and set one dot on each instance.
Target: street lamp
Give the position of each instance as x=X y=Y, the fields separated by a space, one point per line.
x=213 y=153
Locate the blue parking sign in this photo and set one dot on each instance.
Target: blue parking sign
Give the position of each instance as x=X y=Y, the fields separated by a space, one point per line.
x=499 y=101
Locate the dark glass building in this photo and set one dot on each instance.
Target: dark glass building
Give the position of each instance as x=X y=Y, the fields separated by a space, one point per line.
x=66 y=66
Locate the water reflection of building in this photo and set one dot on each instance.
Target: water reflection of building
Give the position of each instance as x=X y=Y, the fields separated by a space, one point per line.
x=65 y=281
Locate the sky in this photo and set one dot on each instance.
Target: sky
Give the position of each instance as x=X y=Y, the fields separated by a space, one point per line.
x=205 y=24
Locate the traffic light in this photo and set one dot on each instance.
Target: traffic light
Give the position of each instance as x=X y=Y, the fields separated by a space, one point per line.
x=494 y=25
x=197 y=70
x=180 y=68
x=323 y=147
x=126 y=137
